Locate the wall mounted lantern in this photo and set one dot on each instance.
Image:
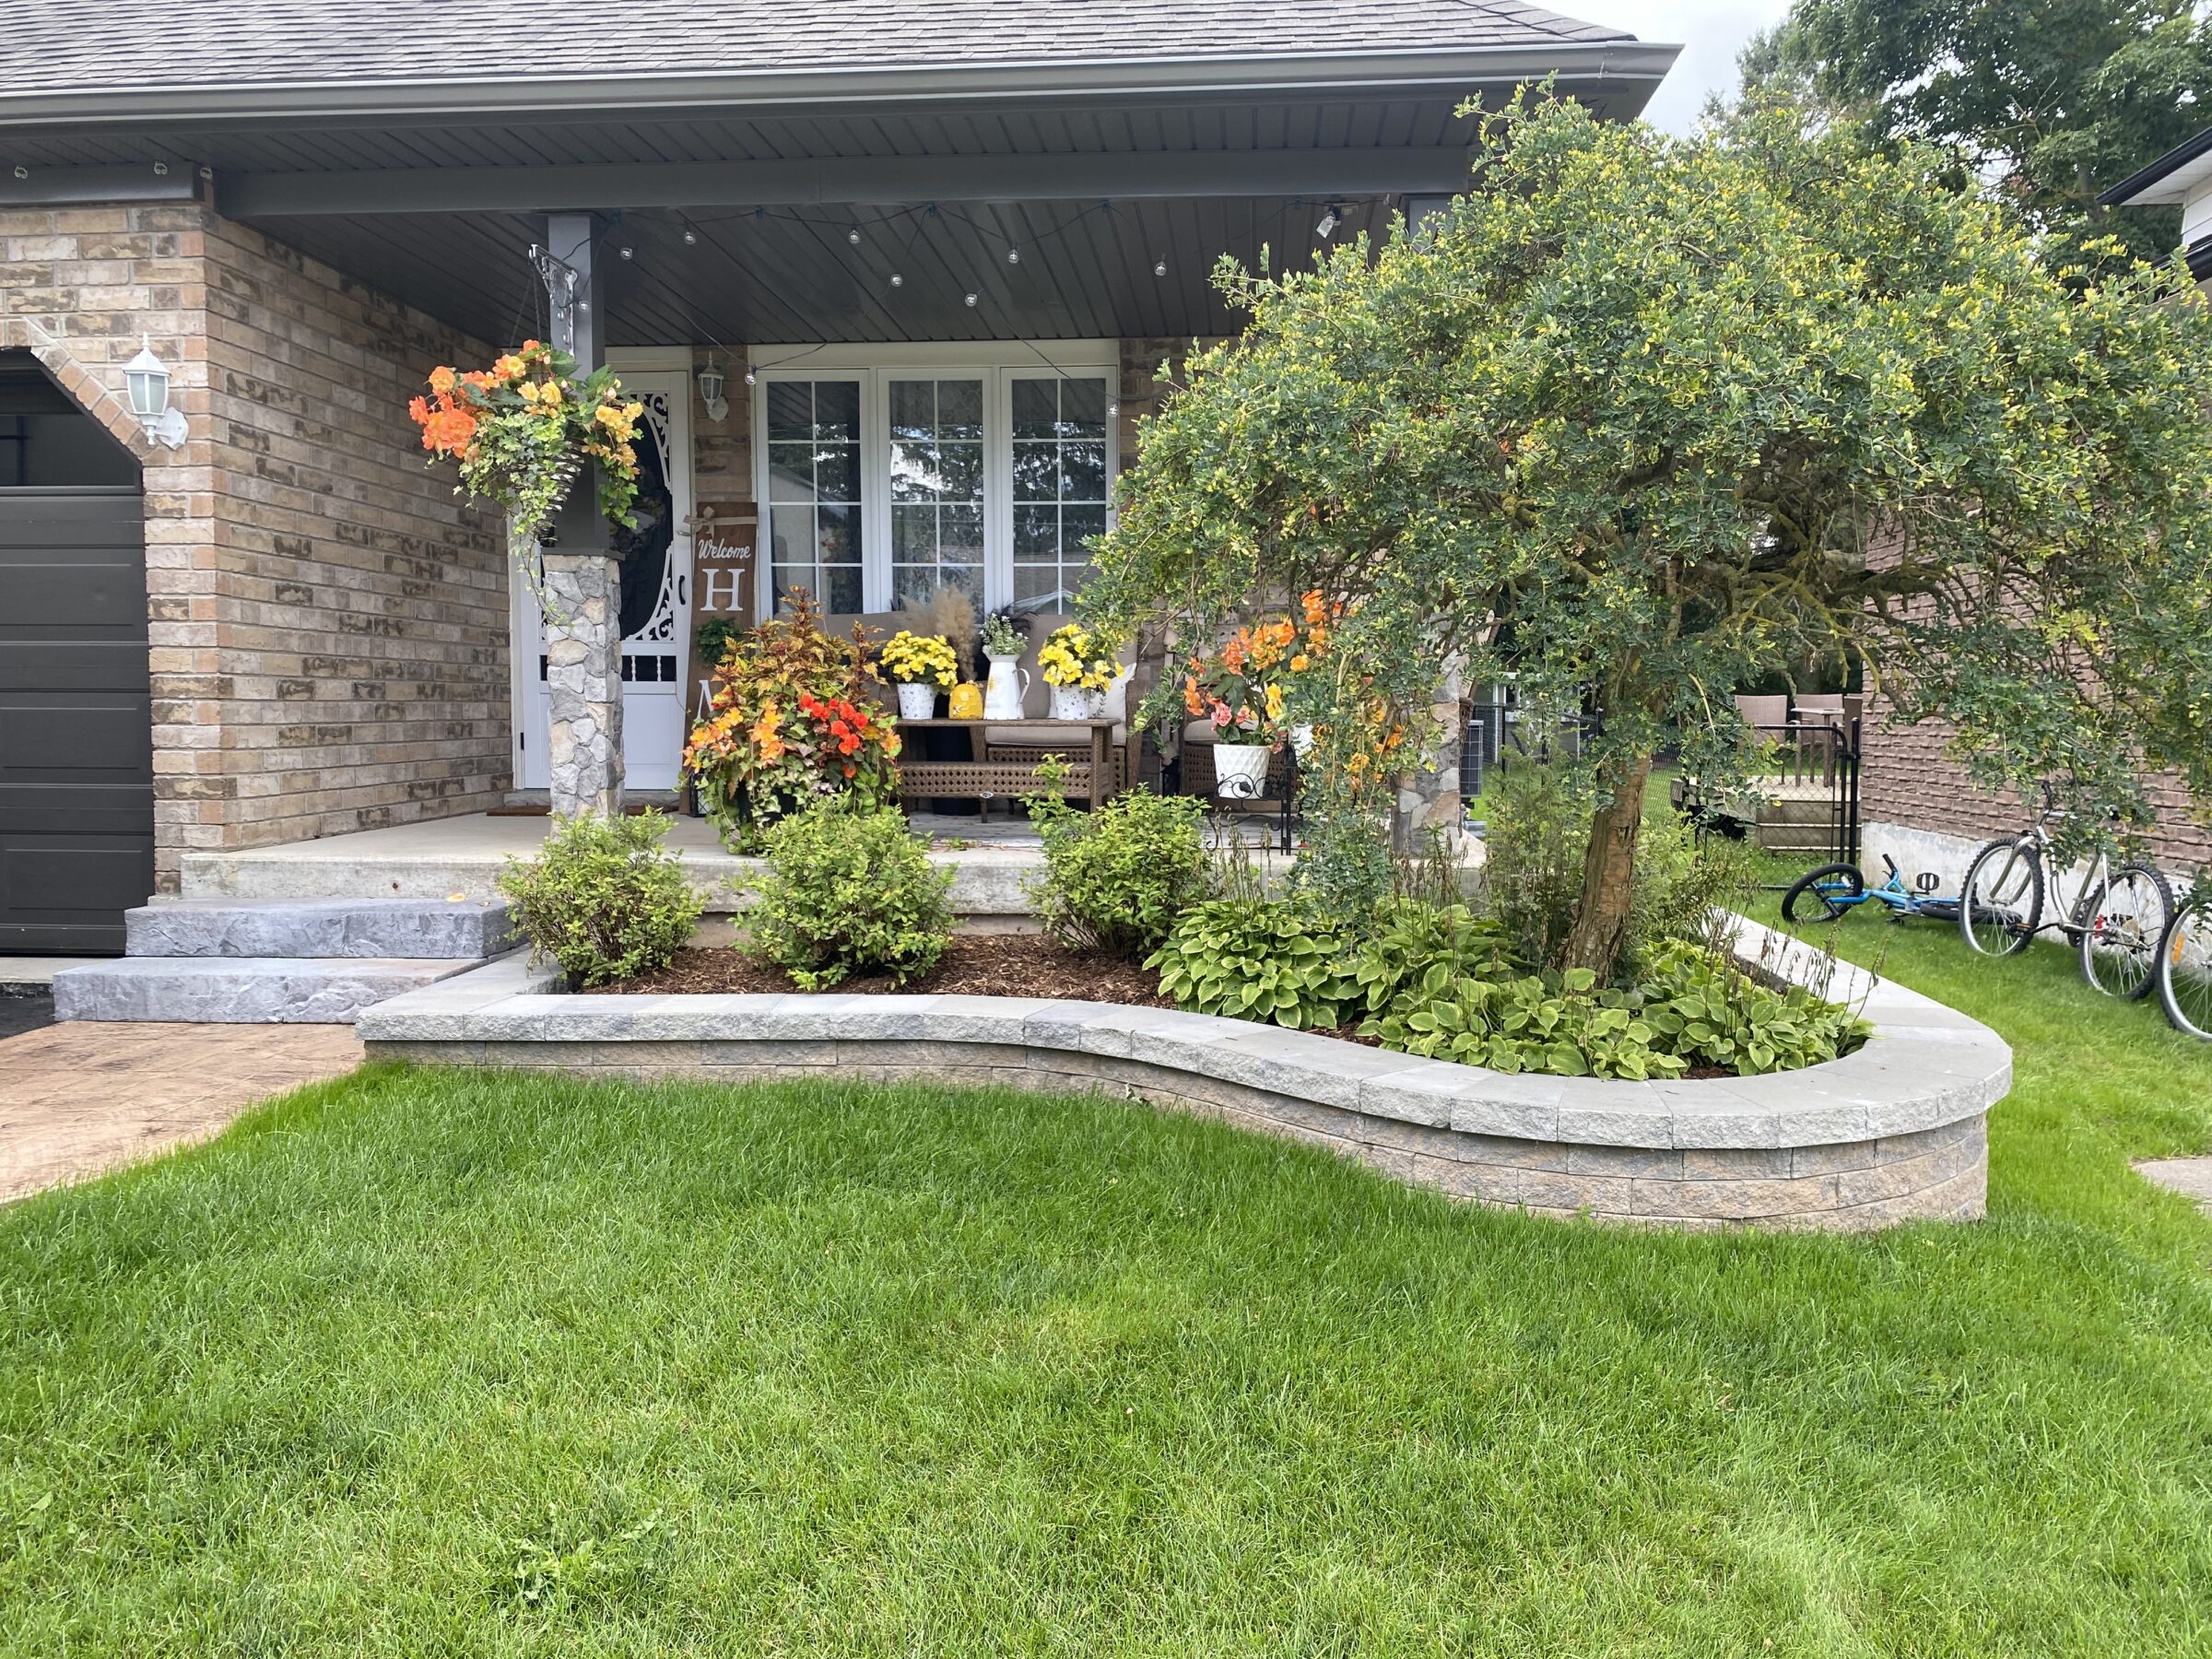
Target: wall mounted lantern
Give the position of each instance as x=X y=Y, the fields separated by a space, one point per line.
x=145 y=381
x=710 y=384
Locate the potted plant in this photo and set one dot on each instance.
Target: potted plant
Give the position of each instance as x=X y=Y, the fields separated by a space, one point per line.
x=1079 y=666
x=1004 y=634
x=523 y=429
x=920 y=665
x=792 y=722
x=1240 y=691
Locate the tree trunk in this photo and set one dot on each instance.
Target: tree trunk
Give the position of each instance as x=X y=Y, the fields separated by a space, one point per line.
x=1601 y=921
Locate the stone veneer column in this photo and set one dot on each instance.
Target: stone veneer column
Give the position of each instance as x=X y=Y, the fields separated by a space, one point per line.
x=583 y=680
x=1429 y=797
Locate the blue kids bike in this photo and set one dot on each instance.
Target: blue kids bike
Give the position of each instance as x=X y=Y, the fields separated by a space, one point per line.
x=1833 y=892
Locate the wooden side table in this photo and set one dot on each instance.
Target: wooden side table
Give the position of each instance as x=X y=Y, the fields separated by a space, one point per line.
x=982 y=780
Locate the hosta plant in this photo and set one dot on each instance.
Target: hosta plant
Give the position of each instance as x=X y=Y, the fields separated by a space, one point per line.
x=1419 y=949
x=1255 y=958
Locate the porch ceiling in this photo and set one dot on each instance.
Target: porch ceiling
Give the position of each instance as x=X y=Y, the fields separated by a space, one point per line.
x=1086 y=270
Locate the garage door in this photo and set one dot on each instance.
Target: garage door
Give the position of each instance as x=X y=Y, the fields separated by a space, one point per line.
x=77 y=786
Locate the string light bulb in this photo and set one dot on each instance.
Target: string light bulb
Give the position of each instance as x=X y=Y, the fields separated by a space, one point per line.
x=897 y=280
x=852 y=236
x=628 y=252
x=1160 y=269
x=971 y=299
x=690 y=237
x=750 y=378
x=1013 y=255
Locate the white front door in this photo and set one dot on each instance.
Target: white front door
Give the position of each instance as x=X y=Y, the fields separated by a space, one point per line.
x=656 y=601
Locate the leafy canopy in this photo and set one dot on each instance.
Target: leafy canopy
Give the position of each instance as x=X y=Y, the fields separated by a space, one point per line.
x=1643 y=419
x=2050 y=100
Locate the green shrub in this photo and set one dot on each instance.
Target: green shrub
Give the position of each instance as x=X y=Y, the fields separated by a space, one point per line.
x=1119 y=878
x=1680 y=880
x=603 y=899
x=849 y=890
x=1538 y=829
x=1255 y=958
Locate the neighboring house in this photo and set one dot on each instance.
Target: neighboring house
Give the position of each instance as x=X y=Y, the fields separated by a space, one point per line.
x=1915 y=804
x=953 y=243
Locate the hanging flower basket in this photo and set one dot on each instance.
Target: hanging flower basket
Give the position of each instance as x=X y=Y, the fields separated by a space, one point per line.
x=522 y=430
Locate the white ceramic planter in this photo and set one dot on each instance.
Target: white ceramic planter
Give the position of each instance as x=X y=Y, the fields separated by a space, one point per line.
x=917 y=700
x=1073 y=702
x=1240 y=771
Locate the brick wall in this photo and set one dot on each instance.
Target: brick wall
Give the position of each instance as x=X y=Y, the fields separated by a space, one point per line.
x=328 y=623
x=1906 y=778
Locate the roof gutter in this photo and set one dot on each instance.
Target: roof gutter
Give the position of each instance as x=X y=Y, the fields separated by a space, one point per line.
x=2137 y=185
x=1629 y=64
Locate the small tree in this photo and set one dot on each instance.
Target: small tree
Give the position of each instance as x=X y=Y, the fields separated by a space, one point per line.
x=1638 y=419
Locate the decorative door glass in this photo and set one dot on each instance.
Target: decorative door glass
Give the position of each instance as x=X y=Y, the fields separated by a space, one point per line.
x=1059 y=438
x=937 y=437
x=815 y=491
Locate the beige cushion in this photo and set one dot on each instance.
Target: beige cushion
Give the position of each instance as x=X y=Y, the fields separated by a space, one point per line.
x=1046 y=733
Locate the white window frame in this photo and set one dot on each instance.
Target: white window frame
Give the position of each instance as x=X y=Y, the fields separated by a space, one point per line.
x=998 y=364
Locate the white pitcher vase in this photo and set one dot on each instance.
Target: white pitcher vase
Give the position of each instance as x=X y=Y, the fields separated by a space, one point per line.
x=1004 y=693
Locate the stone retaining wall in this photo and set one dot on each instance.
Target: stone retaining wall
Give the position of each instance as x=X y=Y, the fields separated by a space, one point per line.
x=1893 y=1133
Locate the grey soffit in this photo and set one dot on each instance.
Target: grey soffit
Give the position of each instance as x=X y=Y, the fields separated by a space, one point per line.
x=91 y=60
x=1086 y=273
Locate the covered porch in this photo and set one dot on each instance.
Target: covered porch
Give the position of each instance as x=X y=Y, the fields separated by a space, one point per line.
x=881 y=354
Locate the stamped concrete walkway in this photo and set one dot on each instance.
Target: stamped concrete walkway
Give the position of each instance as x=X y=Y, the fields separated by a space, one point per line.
x=78 y=1099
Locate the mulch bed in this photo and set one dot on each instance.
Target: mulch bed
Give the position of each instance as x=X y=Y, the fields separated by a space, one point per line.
x=975 y=965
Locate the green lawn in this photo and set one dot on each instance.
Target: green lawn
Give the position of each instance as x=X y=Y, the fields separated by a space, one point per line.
x=478 y=1364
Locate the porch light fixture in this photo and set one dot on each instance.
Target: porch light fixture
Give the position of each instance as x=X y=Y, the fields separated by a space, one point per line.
x=1329 y=221
x=146 y=382
x=710 y=383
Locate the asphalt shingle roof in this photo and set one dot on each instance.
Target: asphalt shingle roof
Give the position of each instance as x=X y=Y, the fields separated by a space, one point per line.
x=55 y=45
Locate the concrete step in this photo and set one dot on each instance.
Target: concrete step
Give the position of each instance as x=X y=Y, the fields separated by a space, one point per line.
x=251 y=991
x=466 y=929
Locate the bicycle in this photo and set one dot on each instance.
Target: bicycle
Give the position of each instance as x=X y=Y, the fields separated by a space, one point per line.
x=2117 y=923
x=2185 y=964
x=1832 y=891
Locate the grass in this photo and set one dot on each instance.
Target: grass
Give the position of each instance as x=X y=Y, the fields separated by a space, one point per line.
x=443 y=1362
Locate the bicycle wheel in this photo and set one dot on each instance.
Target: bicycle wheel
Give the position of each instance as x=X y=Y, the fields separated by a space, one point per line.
x=2122 y=924
x=1825 y=894
x=2184 y=969
x=2001 y=904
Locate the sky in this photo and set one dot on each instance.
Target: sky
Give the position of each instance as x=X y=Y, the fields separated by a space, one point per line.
x=1711 y=32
